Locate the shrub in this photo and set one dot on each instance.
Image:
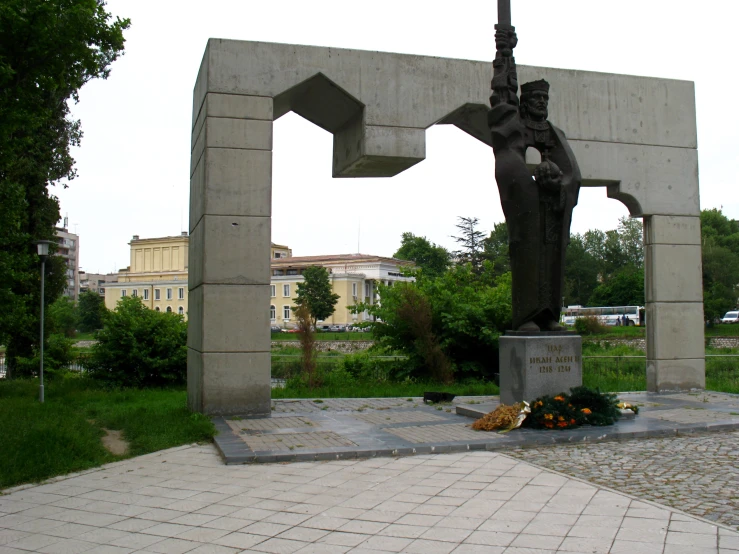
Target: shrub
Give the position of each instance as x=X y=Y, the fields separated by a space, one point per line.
x=138 y=347
x=589 y=325
x=58 y=355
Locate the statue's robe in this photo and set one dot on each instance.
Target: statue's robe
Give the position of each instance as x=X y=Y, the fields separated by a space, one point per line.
x=538 y=219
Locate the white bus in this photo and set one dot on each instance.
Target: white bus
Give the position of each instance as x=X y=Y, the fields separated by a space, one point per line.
x=607 y=315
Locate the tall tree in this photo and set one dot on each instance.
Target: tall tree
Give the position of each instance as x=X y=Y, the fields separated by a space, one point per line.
x=470 y=242
x=581 y=272
x=48 y=50
x=315 y=292
x=91 y=310
x=495 y=249
x=720 y=242
x=431 y=258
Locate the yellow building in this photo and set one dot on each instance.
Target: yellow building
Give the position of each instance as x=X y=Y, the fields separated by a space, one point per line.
x=354 y=277
x=157 y=274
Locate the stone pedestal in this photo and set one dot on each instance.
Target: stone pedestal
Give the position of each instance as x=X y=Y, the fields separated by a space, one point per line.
x=535 y=364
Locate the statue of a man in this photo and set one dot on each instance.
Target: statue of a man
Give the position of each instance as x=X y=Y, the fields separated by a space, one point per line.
x=538 y=207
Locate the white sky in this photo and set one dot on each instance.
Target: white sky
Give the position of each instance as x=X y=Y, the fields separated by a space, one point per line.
x=134 y=160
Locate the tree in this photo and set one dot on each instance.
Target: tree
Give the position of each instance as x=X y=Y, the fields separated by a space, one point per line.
x=431 y=258
x=91 y=311
x=626 y=288
x=307 y=335
x=720 y=242
x=495 y=249
x=139 y=347
x=471 y=243
x=48 y=50
x=63 y=317
x=581 y=272
x=468 y=312
x=315 y=292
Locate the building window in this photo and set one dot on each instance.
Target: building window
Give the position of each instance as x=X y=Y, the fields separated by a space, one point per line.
x=354 y=290
x=277 y=255
x=286 y=290
x=123 y=293
x=181 y=293
x=146 y=294
x=272 y=291
x=134 y=293
x=181 y=310
x=286 y=313
x=169 y=296
x=156 y=309
x=292 y=272
x=367 y=289
x=157 y=294
x=169 y=309
x=272 y=313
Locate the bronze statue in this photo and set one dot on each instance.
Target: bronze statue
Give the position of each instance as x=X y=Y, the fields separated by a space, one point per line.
x=538 y=207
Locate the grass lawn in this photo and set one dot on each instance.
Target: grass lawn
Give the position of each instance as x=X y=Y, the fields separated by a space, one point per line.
x=85 y=336
x=63 y=434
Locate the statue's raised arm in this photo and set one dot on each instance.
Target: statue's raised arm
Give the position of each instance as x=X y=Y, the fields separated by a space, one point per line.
x=505 y=80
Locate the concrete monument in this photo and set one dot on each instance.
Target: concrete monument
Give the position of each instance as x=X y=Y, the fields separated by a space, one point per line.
x=634 y=136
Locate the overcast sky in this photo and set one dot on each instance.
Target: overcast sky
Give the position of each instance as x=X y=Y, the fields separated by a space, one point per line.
x=133 y=163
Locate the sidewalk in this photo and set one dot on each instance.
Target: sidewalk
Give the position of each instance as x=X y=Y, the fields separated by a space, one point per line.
x=186 y=500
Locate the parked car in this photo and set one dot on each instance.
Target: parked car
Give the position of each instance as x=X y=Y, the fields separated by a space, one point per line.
x=337 y=329
x=730 y=317
x=324 y=328
x=276 y=329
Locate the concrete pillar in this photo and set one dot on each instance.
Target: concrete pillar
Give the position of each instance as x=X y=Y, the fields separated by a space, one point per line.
x=674 y=296
x=230 y=229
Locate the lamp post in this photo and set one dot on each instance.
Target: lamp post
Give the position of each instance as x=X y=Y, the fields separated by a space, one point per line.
x=43 y=252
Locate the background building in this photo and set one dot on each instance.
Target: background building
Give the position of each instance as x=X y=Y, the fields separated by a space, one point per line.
x=69 y=249
x=157 y=273
x=96 y=282
x=354 y=277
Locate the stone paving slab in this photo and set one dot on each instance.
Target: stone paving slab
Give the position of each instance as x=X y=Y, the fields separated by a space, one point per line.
x=349 y=428
x=186 y=500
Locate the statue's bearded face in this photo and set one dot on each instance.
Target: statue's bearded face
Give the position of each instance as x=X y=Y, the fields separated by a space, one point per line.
x=537 y=104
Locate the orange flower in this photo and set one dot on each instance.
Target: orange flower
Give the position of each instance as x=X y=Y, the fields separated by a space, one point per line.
x=548 y=416
x=537 y=404
x=560 y=398
x=586 y=411
x=560 y=418
x=548 y=424
x=562 y=424
x=572 y=421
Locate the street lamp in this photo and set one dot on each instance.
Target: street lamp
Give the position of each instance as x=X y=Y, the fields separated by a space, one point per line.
x=43 y=252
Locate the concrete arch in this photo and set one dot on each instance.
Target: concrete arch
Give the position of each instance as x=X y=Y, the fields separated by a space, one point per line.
x=634 y=135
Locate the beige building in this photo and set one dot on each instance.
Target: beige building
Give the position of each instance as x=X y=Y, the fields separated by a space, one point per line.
x=354 y=277
x=69 y=250
x=157 y=274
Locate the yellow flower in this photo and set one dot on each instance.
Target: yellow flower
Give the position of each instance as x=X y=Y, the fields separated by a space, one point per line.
x=548 y=416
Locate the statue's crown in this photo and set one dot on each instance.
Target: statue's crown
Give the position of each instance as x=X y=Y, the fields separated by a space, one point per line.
x=541 y=84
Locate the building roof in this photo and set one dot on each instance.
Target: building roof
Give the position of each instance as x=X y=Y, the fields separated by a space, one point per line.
x=335 y=259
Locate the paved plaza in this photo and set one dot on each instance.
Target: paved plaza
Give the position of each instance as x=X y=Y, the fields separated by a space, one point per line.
x=668 y=495
x=186 y=500
x=345 y=428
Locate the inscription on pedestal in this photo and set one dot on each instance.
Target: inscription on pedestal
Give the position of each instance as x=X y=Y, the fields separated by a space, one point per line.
x=532 y=366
